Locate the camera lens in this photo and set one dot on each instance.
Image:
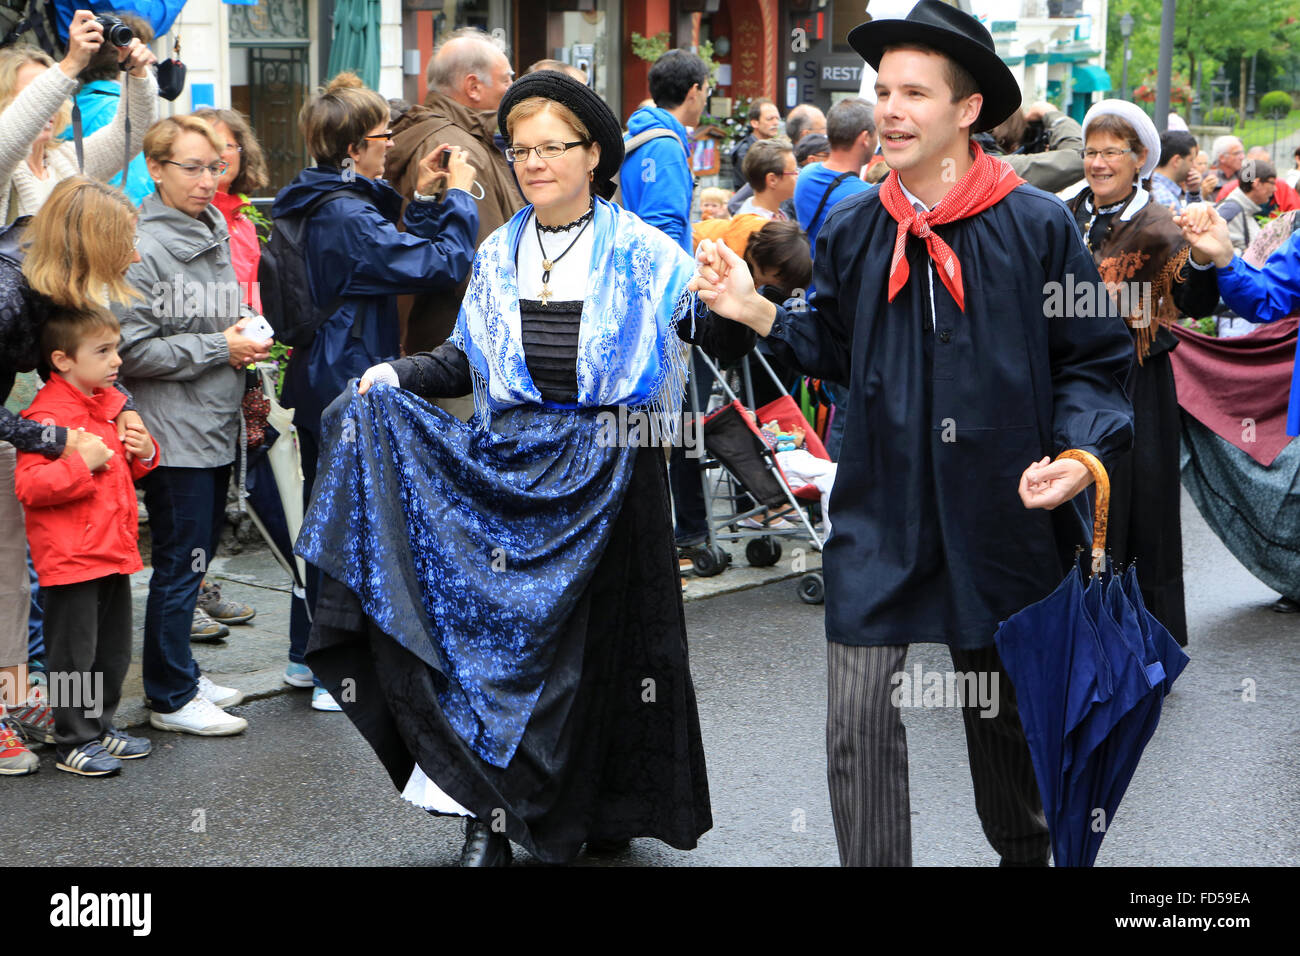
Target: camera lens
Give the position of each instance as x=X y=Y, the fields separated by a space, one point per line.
x=115 y=31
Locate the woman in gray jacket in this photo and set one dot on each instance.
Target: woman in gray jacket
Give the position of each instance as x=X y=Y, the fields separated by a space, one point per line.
x=183 y=355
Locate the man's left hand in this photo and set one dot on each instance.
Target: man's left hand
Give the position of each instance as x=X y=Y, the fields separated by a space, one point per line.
x=1047 y=484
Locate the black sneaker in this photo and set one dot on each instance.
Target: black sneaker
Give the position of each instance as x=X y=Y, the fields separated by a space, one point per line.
x=89 y=760
x=125 y=747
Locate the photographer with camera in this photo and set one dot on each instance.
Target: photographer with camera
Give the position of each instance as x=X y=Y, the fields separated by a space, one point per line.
x=36 y=107
x=1041 y=144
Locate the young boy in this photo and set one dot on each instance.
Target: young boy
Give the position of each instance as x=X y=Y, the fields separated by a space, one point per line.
x=713 y=203
x=82 y=527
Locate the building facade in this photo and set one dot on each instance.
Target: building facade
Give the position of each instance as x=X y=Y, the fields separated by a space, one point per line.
x=265 y=59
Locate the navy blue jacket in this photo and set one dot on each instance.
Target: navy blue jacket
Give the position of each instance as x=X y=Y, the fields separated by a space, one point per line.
x=355 y=250
x=931 y=541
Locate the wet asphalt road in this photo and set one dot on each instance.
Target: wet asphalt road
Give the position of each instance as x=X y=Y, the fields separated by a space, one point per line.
x=1218 y=784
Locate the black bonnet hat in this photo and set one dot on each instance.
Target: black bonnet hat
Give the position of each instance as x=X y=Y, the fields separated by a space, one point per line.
x=599 y=119
x=957 y=34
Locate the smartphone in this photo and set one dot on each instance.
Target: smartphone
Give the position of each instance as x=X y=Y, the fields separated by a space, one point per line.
x=259 y=330
x=444 y=159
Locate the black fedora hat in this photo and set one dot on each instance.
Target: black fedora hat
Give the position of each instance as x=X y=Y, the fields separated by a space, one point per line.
x=599 y=119
x=956 y=34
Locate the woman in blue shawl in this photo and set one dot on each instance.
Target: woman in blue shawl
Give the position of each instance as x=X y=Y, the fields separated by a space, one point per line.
x=501 y=615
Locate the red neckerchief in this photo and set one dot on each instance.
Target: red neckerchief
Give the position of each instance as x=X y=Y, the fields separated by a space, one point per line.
x=986 y=182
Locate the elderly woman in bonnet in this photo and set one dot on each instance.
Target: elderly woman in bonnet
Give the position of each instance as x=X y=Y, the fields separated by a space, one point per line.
x=502 y=596
x=1153 y=277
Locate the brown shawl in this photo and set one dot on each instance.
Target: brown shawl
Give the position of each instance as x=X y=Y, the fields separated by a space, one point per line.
x=1144 y=248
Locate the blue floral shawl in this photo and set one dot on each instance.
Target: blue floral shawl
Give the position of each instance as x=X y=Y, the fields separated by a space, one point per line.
x=628 y=350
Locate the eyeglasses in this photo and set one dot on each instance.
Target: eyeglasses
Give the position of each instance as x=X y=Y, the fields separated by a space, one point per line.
x=386 y=134
x=195 y=170
x=519 y=154
x=1110 y=155
x=233 y=148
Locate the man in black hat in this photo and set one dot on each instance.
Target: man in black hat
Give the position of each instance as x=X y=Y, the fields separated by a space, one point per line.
x=930 y=305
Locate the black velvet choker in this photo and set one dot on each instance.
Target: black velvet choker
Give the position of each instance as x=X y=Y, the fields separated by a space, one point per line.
x=568 y=225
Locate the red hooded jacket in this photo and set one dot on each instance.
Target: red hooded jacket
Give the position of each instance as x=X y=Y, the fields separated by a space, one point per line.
x=80 y=526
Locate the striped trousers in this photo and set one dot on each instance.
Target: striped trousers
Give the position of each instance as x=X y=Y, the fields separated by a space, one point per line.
x=866 y=761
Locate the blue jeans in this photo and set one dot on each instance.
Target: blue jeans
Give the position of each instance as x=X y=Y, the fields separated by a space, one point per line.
x=35 y=617
x=186 y=508
x=301 y=612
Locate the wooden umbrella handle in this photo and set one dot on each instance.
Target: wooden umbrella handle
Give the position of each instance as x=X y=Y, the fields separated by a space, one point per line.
x=1101 y=513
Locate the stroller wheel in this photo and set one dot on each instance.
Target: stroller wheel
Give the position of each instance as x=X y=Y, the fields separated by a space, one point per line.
x=763 y=552
x=811 y=588
x=710 y=561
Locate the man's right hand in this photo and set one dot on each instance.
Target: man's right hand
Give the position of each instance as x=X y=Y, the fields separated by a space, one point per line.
x=85 y=37
x=1207 y=233
x=725 y=285
x=90 y=447
x=243 y=350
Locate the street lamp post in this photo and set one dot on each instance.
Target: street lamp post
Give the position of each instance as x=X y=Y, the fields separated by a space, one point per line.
x=1219 y=85
x=1126 y=31
x=1194 y=111
x=1166 y=65
x=1250 y=89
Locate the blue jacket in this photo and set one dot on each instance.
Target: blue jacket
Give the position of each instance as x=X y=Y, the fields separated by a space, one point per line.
x=98 y=101
x=656 y=180
x=1265 y=295
x=355 y=249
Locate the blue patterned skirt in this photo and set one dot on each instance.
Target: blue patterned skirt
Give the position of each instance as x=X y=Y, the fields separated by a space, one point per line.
x=506 y=605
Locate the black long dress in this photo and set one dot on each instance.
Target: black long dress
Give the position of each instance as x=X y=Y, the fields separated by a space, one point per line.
x=612 y=749
x=1145 y=516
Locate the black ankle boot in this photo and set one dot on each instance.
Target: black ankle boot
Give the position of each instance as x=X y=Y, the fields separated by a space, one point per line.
x=483 y=847
x=608 y=847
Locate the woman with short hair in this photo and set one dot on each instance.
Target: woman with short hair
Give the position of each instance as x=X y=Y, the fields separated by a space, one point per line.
x=1142 y=255
x=501 y=600
x=357 y=261
x=183 y=356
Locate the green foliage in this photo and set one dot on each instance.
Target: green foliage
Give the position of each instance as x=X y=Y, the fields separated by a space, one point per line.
x=736 y=125
x=705 y=51
x=256 y=216
x=1275 y=105
x=650 y=48
x=1221 y=116
x=1208 y=34
x=280 y=356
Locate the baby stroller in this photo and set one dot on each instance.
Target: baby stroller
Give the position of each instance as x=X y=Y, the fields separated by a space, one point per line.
x=744 y=483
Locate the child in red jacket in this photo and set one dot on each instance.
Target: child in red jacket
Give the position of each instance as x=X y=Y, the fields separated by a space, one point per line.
x=82 y=526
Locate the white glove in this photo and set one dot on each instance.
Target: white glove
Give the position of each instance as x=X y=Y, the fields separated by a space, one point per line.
x=382 y=374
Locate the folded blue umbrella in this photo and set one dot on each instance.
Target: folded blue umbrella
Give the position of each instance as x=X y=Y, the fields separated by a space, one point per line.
x=1090 y=667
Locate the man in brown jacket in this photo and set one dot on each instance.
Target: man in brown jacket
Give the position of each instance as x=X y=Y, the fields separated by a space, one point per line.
x=467 y=77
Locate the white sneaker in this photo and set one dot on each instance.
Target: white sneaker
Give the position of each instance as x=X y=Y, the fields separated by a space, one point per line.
x=200 y=716
x=221 y=696
x=322 y=700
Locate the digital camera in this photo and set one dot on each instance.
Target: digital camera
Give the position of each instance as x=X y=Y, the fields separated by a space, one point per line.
x=115 y=31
